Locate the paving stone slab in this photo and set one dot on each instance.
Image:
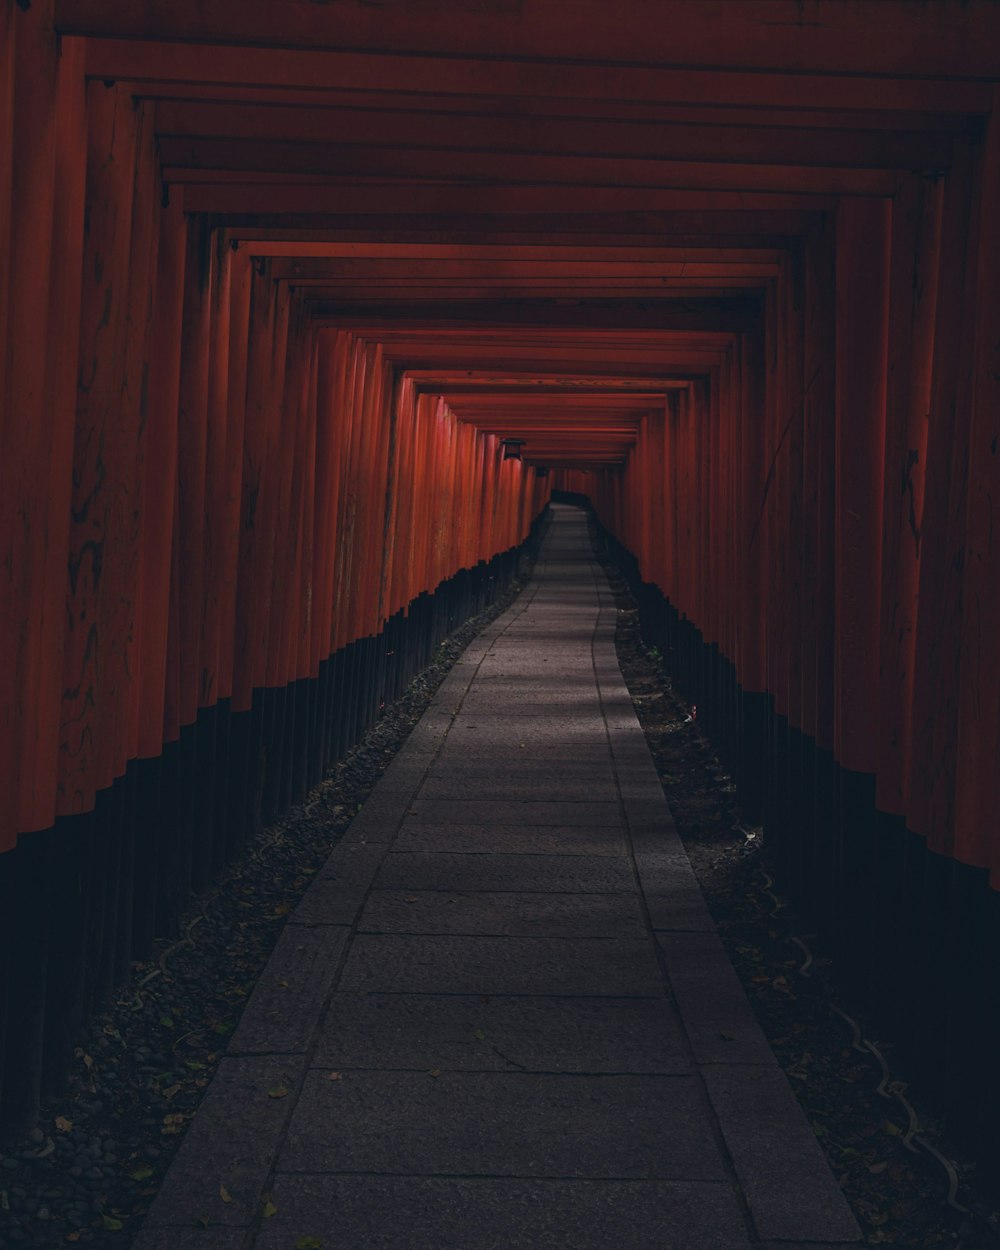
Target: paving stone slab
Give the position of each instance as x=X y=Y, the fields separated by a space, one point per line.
x=473 y=1032
x=719 y=1020
x=810 y=1245
x=520 y=788
x=285 y=1006
x=373 y=829
x=531 y=730
x=175 y=1238
x=506 y=812
x=428 y=733
x=781 y=1168
x=537 y=679
x=367 y=1213
x=547 y=713
x=389 y=963
x=670 y=888
x=629 y=749
x=550 y=874
x=455 y=752
x=503 y=1124
x=562 y=694
x=654 y=837
x=522 y=766
x=340 y=886
x=640 y=770
x=406 y=772
x=232 y=1141
x=641 y=790
x=419 y=835
x=508 y=914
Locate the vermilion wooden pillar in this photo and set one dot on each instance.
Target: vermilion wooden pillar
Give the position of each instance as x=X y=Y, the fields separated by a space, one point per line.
x=29 y=536
x=916 y=240
x=862 y=289
x=937 y=652
x=862 y=325
x=977 y=776
x=89 y=711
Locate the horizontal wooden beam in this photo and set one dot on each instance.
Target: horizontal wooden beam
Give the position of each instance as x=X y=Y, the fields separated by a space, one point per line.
x=950 y=37
x=735 y=142
x=497 y=267
x=731 y=227
x=330 y=165
x=334 y=99
x=673 y=315
x=159 y=57
x=246 y=193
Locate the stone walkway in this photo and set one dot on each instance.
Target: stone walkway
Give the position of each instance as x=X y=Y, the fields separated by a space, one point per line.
x=501 y=1017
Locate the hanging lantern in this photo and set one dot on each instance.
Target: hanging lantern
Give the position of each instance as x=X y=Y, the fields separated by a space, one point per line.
x=512 y=448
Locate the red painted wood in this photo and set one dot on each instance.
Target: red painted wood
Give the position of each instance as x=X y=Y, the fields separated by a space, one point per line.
x=99 y=604
x=916 y=243
x=930 y=801
x=39 y=247
x=160 y=482
x=862 y=315
x=977 y=777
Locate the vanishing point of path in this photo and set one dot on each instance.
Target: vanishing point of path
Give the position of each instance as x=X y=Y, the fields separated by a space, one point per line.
x=501 y=1017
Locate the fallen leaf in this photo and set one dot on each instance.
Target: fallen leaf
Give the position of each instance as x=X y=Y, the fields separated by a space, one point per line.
x=308 y=1243
x=892 y=1129
x=167 y=1023
x=142 y=1173
x=278 y=1091
x=224 y=1194
x=877 y=1168
x=435 y=1072
x=111 y=1224
x=335 y=1076
x=172 y=1090
x=479 y=1035
x=63 y=1125
x=269 y=1209
x=283 y=984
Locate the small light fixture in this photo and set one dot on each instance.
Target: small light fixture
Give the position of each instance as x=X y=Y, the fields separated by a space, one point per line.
x=512 y=448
